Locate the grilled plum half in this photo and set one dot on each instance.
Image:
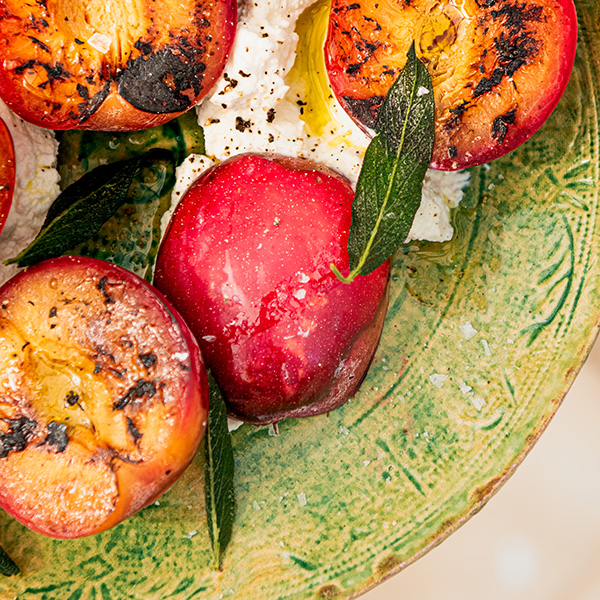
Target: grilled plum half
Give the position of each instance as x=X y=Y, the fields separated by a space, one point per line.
x=499 y=67
x=103 y=396
x=110 y=65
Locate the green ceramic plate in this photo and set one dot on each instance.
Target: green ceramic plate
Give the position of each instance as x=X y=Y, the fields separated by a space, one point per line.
x=336 y=503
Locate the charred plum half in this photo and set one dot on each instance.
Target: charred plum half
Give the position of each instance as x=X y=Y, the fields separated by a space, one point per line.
x=246 y=260
x=105 y=64
x=103 y=396
x=7 y=172
x=499 y=67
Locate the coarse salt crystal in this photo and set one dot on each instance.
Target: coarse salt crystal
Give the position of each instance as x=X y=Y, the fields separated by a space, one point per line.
x=256 y=505
x=190 y=535
x=438 y=379
x=478 y=403
x=100 y=42
x=468 y=330
x=464 y=388
x=422 y=91
x=302 y=499
x=486 y=348
x=344 y=430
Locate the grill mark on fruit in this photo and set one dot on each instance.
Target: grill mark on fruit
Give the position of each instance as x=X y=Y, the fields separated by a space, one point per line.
x=156 y=83
x=501 y=123
x=134 y=431
x=457 y=113
x=57 y=436
x=72 y=398
x=148 y=360
x=102 y=286
x=143 y=387
x=514 y=46
x=39 y=43
x=102 y=352
x=17 y=436
x=364 y=109
x=88 y=108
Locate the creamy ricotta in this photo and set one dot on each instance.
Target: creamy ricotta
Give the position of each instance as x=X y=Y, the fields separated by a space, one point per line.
x=36 y=186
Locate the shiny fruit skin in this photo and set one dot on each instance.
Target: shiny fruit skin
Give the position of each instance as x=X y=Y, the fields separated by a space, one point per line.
x=108 y=65
x=103 y=396
x=7 y=172
x=246 y=260
x=498 y=67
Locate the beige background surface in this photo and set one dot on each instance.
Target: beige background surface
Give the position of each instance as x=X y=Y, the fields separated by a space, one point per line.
x=539 y=537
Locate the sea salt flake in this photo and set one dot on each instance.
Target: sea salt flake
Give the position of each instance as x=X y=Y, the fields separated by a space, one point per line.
x=468 y=330
x=100 y=42
x=478 y=403
x=422 y=91
x=302 y=499
x=464 y=388
x=190 y=535
x=256 y=505
x=438 y=379
x=486 y=348
x=344 y=430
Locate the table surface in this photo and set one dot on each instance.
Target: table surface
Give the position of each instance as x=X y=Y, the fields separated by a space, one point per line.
x=539 y=537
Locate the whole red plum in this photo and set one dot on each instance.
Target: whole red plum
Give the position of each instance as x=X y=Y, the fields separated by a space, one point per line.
x=246 y=260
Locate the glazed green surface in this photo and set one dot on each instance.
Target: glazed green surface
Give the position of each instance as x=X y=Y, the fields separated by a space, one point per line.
x=335 y=503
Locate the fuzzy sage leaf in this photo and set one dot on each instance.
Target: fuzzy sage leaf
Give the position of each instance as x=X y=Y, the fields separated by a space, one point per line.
x=388 y=192
x=7 y=565
x=218 y=475
x=83 y=207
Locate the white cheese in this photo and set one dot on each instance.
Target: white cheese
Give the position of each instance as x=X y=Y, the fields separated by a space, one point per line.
x=36 y=186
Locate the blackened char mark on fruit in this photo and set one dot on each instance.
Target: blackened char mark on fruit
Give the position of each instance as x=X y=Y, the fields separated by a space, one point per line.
x=91 y=105
x=102 y=286
x=515 y=47
x=457 y=112
x=57 y=436
x=134 y=432
x=39 y=43
x=156 y=83
x=16 y=437
x=364 y=109
x=148 y=359
x=143 y=387
x=501 y=123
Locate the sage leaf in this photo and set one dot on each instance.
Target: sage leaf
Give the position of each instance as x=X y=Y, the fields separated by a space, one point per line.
x=388 y=192
x=82 y=208
x=218 y=475
x=7 y=565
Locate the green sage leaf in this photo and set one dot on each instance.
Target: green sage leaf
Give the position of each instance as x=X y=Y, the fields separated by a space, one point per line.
x=218 y=475
x=388 y=192
x=82 y=208
x=7 y=565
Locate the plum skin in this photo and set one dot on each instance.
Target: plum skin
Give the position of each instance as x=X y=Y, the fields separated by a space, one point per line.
x=138 y=443
x=246 y=260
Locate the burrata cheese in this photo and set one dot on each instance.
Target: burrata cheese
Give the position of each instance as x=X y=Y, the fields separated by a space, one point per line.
x=36 y=186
